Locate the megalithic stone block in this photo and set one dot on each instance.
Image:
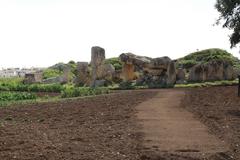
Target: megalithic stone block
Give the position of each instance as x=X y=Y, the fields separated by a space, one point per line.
x=97 y=59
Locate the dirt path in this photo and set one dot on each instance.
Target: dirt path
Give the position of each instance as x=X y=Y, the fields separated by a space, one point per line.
x=170 y=129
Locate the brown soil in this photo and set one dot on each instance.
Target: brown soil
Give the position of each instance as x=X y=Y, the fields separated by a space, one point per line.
x=174 y=133
x=219 y=109
x=94 y=128
x=109 y=127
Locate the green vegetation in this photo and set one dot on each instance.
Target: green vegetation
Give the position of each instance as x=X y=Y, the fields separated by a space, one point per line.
x=82 y=91
x=126 y=86
x=17 y=85
x=207 y=55
x=207 y=84
x=115 y=62
x=49 y=73
x=15 y=96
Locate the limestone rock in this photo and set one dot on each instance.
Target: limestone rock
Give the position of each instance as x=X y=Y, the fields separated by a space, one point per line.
x=98 y=57
x=181 y=76
x=83 y=74
x=129 y=58
x=159 y=63
x=155 y=72
x=105 y=71
x=171 y=73
x=52 y=80
x=212 y=71
x=128 y=72
x=31 y=78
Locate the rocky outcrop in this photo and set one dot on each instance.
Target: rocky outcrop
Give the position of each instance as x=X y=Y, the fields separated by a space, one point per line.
x=212 y=71
x=155 y=72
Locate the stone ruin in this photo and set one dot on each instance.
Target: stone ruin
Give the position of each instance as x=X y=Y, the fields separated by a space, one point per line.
x=83 y=76
x=31 y=78
x=97 y=73
x=181 y=76
x=63 y=79
x=154 y=72
x=212 y=71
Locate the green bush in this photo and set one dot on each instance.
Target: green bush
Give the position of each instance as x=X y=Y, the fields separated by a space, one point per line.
x=31 y=88
x=115 y=62
x=83 y=91
x=49 y=73
x=206 y=56
x=14 y=96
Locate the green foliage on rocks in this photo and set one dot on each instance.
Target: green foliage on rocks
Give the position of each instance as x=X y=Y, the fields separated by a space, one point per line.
x=206 y=56
x=49 y=73
x=115 y=62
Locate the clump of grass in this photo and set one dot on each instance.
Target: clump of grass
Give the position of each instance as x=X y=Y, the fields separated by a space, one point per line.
x=83 y=91
x=207 y=84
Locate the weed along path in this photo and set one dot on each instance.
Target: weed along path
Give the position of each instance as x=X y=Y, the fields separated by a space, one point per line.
x=169 y=129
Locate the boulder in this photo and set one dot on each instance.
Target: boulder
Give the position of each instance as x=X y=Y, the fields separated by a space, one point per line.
x=105 y=71
x=97 y=59
x=83 y=74
x=128 y=72
x=212 y=71
x=155 y=72
x=159 y=63
x=31 y=78
x=52 y=80
x=229 y=72
x=197 y=73
x=171 y=73
x=129 y=58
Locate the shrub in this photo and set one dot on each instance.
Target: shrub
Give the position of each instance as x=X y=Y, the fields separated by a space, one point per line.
x=115 y=62
x=49 y=73
x=14 y=96
x=31 y=88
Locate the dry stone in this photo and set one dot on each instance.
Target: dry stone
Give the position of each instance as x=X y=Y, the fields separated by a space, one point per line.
x=106 y=71
x=212 y=71
x=31 y=78
x=153 y=72
x=181 y=76
x=97 y=60
x=128 y=72
x=83 y=74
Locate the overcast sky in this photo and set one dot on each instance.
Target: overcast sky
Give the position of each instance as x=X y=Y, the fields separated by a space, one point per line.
x=43 y=32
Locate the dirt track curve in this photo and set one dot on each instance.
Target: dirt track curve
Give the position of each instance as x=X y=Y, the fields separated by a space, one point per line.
x=169 y=128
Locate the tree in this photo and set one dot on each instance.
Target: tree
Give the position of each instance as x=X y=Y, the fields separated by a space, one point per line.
x=230 y=14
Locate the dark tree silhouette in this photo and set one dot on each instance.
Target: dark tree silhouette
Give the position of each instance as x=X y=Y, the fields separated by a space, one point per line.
x=230 y=18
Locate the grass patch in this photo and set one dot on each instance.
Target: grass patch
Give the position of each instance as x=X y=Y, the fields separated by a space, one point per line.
x=83 y=91
x=207 y=84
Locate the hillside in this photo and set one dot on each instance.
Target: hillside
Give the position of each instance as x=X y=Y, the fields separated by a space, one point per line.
x=207 y=55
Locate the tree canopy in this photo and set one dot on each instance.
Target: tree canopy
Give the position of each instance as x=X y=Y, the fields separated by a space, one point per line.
x=230 y=15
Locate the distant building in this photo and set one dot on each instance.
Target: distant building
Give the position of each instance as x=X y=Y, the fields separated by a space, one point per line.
x=17 y=72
